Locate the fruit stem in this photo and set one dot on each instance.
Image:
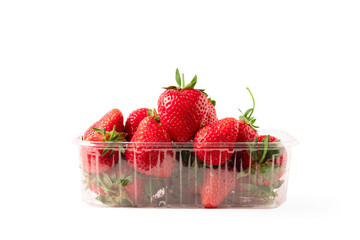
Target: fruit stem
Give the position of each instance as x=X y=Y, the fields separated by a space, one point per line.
x=266 y=141
x=253 y=108
x=183 y=80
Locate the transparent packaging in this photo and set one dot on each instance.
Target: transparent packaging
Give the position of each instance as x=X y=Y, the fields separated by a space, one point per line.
x=255 y=175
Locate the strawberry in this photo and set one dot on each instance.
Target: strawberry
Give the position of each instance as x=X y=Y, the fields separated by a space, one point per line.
x=210 y=117
x=135 y=189
x=183 y=110
x=149 y=159
x=268 y=160
x=134 y=119
x=247 y=131
x=100 y=157
x=260 y=175
x=218 y=183
x=222 y=131
x=113 y=118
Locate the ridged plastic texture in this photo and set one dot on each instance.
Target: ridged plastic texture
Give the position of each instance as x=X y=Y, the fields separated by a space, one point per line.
x=256 y=175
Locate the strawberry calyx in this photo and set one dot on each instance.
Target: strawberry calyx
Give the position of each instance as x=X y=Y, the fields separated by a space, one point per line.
x=112 y=136
x=265 y=150
x=247 y=116
x=266 y=193
x=181 y=85
x=153 y=113
x=264 y=168
x=112 y=188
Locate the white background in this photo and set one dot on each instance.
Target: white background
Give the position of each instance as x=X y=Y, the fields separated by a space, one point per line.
x=63 y=64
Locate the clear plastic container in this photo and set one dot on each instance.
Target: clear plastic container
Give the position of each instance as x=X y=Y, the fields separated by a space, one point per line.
x=255 y=176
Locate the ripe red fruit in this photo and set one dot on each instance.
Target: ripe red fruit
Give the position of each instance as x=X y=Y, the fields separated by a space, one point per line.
x=95 y=161
x=113 y=118
x=149 y=159
x=134 y=119
x=246 y=132
x=183 y=110
x=223 y=131
x=268 y=160
x=278 y=161
x=210 y=117
x=218 y=183
x=135 y=189
x=100 y=157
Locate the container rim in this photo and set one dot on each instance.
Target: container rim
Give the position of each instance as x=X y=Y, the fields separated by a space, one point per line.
x=286 y=140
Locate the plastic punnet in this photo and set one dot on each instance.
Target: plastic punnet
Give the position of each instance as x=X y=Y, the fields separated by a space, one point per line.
x=255 y=176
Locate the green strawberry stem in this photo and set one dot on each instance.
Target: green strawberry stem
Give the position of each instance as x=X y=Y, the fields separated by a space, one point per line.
x=253 y=100
x=247 y=116
x=265 y=141
x=183 y=80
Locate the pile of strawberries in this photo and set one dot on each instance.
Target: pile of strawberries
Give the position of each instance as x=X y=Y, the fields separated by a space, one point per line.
x=232 y=156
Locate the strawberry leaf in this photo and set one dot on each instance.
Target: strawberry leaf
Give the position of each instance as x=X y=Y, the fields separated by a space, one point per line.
x=171 y=87
x=149 y=189
x=249 y=186
x=107 y=179
x=248 y=112
x=264 y=151
x=243 y=174
x=213 y=102
x=104 y=186
x=178 y=78
x=124 y=182
x=192 y=84
x=113 y=176
x=279 y=184
x=98 y=130
x=203 y=91
x=129 y=178
x=268 y=173
x=104 y=199
x=105 y=151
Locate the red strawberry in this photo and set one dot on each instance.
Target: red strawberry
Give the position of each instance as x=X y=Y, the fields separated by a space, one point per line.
x=147 y=159
x=279 y=160
x=275 y=158
x=268 y=160
x=210 y=117
x=134 y=119
x=135 y=189
x=100 y=157
x=223 y=131
x=218 y=183
x=183 y=109
x=113 y=118
x=247 y=131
